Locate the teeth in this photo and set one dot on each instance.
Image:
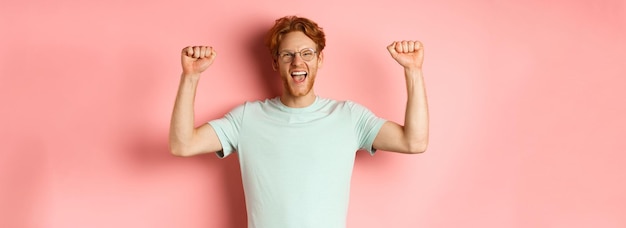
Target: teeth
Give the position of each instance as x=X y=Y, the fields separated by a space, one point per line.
x=298 y=73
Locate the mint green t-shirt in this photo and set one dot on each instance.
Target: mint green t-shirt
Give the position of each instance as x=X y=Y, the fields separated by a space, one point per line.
x=296 y=163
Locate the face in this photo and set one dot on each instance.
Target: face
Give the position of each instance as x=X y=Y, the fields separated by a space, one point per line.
x=298 y=75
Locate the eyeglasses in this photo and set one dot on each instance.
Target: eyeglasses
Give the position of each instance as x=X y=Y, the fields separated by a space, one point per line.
x=306 y=54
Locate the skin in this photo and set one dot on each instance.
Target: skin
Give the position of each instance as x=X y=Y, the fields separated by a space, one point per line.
x=412 y=137
x=297 y=95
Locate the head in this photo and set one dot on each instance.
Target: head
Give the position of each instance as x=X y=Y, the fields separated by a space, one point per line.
x=290 y=42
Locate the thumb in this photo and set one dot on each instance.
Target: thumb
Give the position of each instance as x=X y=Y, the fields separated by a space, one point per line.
x=392 y=49
x=188 y=51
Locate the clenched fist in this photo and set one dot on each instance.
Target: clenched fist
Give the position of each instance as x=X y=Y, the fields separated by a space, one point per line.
x=409 y=54
x=196 y=59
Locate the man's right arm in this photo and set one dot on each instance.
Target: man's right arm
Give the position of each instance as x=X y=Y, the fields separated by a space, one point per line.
x=184 y=139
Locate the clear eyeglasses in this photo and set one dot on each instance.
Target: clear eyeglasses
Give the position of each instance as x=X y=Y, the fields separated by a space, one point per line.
x=306 y=54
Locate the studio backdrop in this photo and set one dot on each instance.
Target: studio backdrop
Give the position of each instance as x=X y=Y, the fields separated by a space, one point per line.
x=527 y=110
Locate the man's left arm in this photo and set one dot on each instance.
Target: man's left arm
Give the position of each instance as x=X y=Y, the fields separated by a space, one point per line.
x=413 y=136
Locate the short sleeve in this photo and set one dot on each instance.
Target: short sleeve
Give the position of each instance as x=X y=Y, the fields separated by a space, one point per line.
x=227 y=130
x=367 y=125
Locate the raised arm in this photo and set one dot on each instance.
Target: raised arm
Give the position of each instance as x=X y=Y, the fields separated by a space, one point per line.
x=184 y=139
x=413 y=136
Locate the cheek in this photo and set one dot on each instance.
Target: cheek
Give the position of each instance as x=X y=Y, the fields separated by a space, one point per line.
x=284 y=70
x=283 y=67
x=284 y=74
x=313 y=67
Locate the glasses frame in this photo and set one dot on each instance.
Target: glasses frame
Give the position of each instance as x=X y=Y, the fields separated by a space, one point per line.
x=292 y=55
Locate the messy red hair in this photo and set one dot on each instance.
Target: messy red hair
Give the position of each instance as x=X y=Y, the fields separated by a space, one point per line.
x=289 y=24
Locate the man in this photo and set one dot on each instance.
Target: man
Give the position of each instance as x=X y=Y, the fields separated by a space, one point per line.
x=297 y=150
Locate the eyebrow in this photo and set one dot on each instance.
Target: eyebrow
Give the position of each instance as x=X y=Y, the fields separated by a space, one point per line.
x=290 y=50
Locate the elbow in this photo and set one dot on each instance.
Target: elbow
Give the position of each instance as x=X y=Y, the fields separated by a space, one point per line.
x=179 y=151
x=417 y=148
x=180 y=147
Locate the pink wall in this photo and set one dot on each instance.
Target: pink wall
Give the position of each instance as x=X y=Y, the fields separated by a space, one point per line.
x=527 y=110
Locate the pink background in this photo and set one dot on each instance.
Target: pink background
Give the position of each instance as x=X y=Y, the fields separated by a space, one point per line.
x=526 y=100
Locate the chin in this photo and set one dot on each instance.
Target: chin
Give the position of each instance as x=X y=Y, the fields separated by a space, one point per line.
x=298 y=93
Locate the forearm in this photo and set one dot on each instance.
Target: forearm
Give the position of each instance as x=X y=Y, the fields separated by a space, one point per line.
x=416 y=116
x=182 y=122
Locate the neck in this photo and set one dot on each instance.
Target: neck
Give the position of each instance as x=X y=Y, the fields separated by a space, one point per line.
x=298 y=101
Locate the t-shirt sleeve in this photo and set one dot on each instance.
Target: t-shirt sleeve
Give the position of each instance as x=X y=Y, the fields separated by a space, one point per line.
x=366 y=126
x=227 y=130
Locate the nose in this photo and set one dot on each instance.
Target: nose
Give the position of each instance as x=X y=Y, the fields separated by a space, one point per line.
x=297 y=59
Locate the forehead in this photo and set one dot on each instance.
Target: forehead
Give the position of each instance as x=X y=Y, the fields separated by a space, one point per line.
x=296 y=41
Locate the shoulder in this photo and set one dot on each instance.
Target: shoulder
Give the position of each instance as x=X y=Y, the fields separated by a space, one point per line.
x=355 y=106
x=333 y=102
x=259 y=103
x=348 y=106
x=255 y=106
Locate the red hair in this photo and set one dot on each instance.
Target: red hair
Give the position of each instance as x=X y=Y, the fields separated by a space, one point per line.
x=289 y=24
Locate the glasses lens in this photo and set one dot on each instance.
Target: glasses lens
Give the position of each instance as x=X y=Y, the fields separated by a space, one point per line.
x=286 y=57
x=307 y=54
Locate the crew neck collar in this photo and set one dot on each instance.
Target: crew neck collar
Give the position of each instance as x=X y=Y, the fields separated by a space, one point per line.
x=311 y=107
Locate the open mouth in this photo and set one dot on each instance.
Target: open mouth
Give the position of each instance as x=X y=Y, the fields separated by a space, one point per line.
x=299 y=76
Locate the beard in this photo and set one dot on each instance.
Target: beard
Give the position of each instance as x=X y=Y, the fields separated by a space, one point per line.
x=294 y=89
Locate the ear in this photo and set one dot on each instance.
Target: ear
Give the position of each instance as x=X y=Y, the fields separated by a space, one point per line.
x=320 y=59
x=274 y=65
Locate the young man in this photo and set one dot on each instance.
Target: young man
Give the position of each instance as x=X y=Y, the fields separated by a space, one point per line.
x=297 y=151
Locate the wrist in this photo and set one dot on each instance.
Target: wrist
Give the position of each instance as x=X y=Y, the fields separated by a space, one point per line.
x=412 y=72
x=192 y=76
